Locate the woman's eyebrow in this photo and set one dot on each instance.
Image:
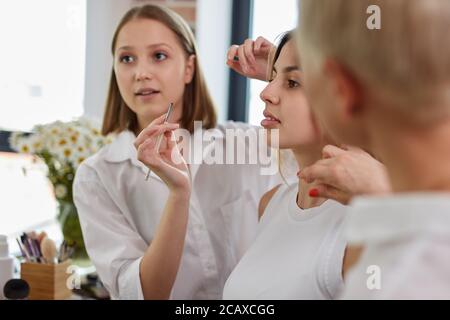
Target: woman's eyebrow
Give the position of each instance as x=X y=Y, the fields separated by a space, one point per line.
x=148 y=47
x=291 y=68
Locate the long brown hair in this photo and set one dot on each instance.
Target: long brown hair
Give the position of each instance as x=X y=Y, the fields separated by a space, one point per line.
x=197 y=102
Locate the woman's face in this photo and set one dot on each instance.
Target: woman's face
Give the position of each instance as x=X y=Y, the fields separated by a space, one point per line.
x=286 y=105
x=152 y=69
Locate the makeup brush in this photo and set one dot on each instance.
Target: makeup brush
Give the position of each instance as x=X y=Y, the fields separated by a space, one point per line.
x=48 y=249
x=41 y=236
x=158 y=142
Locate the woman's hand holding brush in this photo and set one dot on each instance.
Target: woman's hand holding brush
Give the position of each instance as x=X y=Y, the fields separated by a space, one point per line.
x=157 y=149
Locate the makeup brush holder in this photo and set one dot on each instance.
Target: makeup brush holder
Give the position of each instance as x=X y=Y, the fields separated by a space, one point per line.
x=47 y=281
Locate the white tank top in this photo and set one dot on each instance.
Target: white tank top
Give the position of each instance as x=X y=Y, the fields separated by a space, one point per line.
x=297 y=253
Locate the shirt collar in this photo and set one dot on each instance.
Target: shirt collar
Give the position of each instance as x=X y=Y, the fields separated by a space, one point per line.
x=122 y=149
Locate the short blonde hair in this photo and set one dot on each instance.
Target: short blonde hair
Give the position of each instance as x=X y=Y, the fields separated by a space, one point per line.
x=406 y=61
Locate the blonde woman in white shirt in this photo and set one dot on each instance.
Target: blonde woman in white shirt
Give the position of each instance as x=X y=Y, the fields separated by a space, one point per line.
x=299 y=251
x=179 y=234
x=386 y=88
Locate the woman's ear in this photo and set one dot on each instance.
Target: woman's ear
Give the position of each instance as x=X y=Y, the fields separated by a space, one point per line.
x=190 y=69
x=346 y=88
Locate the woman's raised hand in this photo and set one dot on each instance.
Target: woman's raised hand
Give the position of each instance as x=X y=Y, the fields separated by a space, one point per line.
x=167 y=162
x=251 y=59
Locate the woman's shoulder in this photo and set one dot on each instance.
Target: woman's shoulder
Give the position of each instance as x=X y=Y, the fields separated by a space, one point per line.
x=95 y=160
x=116 y=151
x=265 y=199
x=87 y=171
x=276 y=200
x=274 y=195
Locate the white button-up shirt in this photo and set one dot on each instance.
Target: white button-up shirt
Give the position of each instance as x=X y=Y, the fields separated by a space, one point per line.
x=406 y=240
x=119 y=213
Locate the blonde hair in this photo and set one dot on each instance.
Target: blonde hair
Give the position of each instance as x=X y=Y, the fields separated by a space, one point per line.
x=406 y=61
x=197 y=102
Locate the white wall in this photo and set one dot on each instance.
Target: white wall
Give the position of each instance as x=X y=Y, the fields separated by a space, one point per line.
x=213 y=36
x=102 y=19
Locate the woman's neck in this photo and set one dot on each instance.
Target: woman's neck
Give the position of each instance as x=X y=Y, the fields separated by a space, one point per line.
x=306 y=158
x=417 y=158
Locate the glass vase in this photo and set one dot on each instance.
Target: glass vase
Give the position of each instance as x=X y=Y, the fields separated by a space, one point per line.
x=71 y=229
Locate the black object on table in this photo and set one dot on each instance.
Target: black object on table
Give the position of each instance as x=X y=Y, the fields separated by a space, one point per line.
x=92 y=288
x=16 y=289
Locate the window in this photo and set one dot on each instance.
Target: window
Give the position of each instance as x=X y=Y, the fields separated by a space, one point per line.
x=42 y=63
x=26 y=200
x=269 y=20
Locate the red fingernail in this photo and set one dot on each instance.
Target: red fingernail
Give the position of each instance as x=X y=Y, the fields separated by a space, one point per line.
x=314 y=193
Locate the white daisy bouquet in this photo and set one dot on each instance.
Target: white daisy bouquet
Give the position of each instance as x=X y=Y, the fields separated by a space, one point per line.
x=63 y=146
